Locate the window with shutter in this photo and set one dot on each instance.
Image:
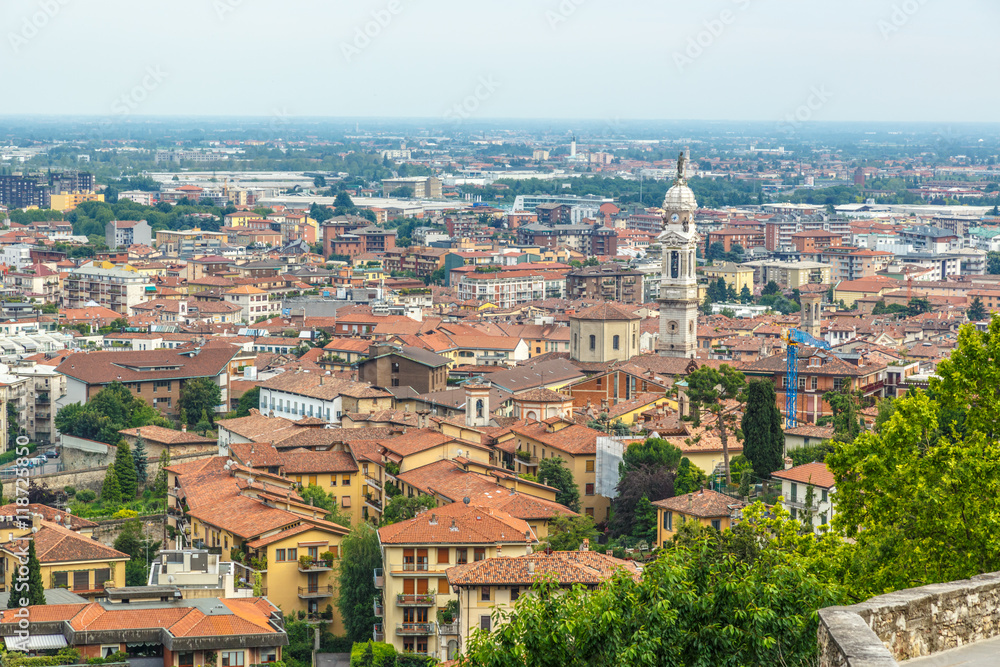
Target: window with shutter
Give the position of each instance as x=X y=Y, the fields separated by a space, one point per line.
x=61 y=580
x=101 y=576
x=81 y=580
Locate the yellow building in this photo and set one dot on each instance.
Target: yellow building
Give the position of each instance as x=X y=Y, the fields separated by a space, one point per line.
x=70 y=200
x=417 y=554
x=498 y=582
x=68 y=559
x=736 y=276
x=257 y=518
x=524 y=446
x=707 y=507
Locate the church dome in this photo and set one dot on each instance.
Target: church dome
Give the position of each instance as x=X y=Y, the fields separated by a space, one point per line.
x=680 y=198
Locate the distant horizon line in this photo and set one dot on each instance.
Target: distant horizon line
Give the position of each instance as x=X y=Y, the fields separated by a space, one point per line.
x=122 y=120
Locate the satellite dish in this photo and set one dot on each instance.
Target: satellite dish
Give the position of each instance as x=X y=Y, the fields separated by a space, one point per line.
x=466 y=500
x=170 y=579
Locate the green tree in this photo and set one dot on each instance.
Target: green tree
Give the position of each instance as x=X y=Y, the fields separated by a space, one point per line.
x=198 y=396
x=111 y=493
x=554 y=473
x=125 y=472
x=361 y=555
x=204 y=424
x=50 y=308
x=30 y=592
x=140 y=548
x=141 y=459
x=315 y=495
x=690 y=478
x=249 y=400
x=917 y=306
x=746 y=296
x=763 y=437
x=567 y=533
x=160 y=483
x=645 y=522
x=847 y=420
x=709 y=390
x=919 y=494
x=108 y=412
x=886 y=409
x=402 y=507
x=976 y=311
x=733 y=598
x=771 y=288
x=647 y=471
x=343 y=200
x=993 y=263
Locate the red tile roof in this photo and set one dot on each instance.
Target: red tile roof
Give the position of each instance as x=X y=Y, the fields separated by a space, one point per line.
x=814 y=473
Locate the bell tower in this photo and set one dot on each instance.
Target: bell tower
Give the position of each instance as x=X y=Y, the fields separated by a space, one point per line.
x=678 y=296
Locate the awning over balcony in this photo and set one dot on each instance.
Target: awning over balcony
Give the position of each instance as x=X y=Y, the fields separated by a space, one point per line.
x=34 y=642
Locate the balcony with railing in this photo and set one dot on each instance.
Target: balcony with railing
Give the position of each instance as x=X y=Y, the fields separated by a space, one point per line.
x=448 y=628
x=420 y=566
x=316 y=591
x=316 y=566
x=415 y=628
x=372 y=482
x=418 y=600
x=378 y=633
x=379 y=578
x=373 y=503
x=378 y=608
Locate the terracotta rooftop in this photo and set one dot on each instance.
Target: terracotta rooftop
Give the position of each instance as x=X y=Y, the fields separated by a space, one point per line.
x=458 y=523
x=814 y=473
x=588 y=568
x=705 y=504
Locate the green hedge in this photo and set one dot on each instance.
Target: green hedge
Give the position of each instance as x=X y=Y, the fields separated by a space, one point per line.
x=11 y=455
x=380 y=650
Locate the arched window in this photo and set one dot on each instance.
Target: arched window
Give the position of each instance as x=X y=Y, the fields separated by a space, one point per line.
x=531 y=415
x=479 y=407
x=593 y=342
x=615 y=342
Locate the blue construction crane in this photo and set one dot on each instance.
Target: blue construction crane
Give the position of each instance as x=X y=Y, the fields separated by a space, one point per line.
x=793 y=338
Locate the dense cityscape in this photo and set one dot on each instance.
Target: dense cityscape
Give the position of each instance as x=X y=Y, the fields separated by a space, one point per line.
x=479 y=338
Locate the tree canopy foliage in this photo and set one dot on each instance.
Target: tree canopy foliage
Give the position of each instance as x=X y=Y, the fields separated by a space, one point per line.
x=553 y=472
x=360 y=557
x=112 y=409
x=763 y=437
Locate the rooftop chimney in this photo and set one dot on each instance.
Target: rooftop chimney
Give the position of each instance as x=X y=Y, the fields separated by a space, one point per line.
x=586 y=545
x=453 y=526
x=184 y=428
x=434 y=519
x=788 y=462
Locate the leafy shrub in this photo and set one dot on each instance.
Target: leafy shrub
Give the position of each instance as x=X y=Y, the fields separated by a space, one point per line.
x=70 y=490
x=381 y=652
x=125 y=514
x=85 y=496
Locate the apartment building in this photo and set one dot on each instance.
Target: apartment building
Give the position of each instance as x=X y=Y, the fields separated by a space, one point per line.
x=303 y=394
x=423 y=187
x=125 y=233
x=156 y=376
x=854 y=263
x=190 y=243
x=68 y=558
x=254 y=303
x=256 y=518
x=483 y=586
x=35 y=281
x=559 y=437
x=608 y=281
x=507 y=289
x=736 y=276
x=591 y=239
x=42 y=388
x=413 y=581
x=116 y=289
x=369 y=239
x=705 y=507
x=808 y=492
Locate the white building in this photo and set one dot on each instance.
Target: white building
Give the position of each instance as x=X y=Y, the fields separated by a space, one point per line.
x=116 y=289
x=808 y=491
x=17 y=257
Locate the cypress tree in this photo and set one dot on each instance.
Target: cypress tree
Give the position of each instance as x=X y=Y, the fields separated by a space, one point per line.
x=763 y=437
x=111 y=493
x=140 y=458
x=125 y=471
x=35 y=594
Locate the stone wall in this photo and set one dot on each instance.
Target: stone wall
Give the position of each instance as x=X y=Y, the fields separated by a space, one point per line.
x=92 y=477
x=910 y=623
x=154 y=526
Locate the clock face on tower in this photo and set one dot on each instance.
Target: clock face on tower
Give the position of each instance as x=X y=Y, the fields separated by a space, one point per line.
x=675 y=217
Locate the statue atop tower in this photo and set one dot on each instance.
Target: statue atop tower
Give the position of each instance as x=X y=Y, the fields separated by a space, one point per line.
x=678 y=296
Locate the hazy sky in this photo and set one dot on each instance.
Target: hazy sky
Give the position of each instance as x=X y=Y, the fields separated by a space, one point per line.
x=892 y=60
